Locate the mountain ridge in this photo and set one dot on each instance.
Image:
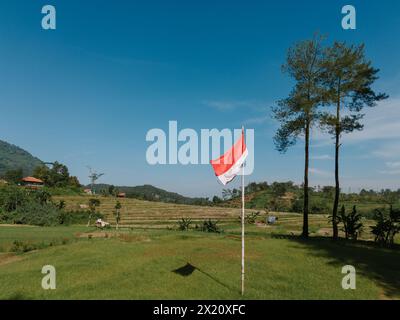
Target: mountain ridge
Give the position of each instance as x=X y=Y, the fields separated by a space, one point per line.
x=13 y=157
x=149 y=192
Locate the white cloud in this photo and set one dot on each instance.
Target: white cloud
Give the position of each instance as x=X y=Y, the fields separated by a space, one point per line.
x=392 y=168
x=391 y=172
x=389 y=150
x=322 y=157
x=319 y=172
x=229 y=105
x=393 y=164
x=258 y=120
x=380 y=123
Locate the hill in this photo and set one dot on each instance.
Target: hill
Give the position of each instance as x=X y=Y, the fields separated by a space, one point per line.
x=151 y=193
x=13 y=157
x=288 y=197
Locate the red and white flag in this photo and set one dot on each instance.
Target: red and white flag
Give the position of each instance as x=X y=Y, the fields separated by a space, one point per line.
x=227 y=166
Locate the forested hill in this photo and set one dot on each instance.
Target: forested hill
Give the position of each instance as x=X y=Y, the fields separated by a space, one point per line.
x=13 y=158
x=149 y=192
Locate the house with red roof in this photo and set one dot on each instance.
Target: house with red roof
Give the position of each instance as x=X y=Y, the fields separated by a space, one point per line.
x=32 y=182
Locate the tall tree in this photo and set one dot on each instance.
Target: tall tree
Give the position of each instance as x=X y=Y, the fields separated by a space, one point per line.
x=117 y=213
x=56 y=176
x=298 y=113
x=93 y=204
x=347 y=78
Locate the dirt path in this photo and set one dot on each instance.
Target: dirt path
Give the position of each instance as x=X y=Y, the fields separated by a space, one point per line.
x=6 y=258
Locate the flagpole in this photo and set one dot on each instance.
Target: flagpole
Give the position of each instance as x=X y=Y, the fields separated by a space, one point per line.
x=243 y=226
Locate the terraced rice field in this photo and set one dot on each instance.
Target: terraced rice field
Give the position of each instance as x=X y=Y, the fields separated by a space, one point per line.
x=139 y=213
x=157 y=215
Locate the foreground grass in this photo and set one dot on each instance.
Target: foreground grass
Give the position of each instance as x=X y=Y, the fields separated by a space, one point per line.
x=161 y=264
x=35 y=235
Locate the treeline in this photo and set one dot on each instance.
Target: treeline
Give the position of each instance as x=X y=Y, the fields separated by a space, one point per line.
x=149 y=193
x=36 y=207
x=56 y=178
x=381 y=206
x=332 y=86
x=288 y=197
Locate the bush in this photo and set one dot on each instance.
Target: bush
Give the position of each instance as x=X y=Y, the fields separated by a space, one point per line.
x=21 y=206
x=34 y=214
x=12 y=197
x=297 y=206
x=210 y=226
x=21 y=247
x=184 y=224
x=250 y=218
x=77 y=217
x=318 y=206
x=64 y=191
x=352 y=225
x=387 y=226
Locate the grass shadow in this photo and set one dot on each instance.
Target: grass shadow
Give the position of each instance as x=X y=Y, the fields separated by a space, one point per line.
x=188 y=269
x=379 y=264
x=18 y=296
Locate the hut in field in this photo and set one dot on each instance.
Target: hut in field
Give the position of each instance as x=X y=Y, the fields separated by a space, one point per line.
x=88 y=191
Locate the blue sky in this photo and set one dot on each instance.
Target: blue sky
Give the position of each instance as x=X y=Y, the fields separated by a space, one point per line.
x=88 y=92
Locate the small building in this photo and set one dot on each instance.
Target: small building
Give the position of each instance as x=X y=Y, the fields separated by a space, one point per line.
x=101 y=224
x=32 y=182
x=88 y=191
x=121 y=195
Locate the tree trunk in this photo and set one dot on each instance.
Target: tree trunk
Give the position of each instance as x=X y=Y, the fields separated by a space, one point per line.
x=337 y=184
x=306 y=165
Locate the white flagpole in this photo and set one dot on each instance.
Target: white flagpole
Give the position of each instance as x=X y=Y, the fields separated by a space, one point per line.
x=243 y=226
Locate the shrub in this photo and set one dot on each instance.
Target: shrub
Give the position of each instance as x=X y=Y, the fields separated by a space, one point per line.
x=297 y=205
x=41 y=196
x=250 y=218
x=352 y=223
x=184 y=224
x=387 y=226
x=61 y=204
x=77 y=217
x=12 y=197
x=21 y=247
x=318 y=206
x=34 y=214
x=64 y=191
x=210 y=226
x=21 y=206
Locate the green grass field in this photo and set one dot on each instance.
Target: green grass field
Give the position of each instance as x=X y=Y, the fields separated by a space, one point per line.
x=145 y=260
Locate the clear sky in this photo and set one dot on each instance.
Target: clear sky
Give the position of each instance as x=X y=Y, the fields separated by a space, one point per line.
x=88 y=92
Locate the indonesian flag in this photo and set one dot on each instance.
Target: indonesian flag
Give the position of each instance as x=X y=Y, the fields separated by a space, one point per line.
x=227 y=166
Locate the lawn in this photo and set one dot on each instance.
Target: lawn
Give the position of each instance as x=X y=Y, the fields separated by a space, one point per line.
x=167 y=264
